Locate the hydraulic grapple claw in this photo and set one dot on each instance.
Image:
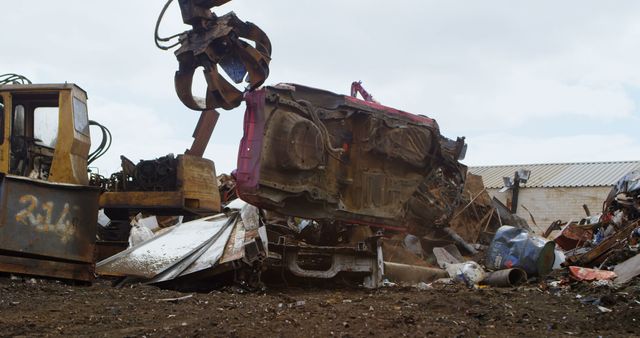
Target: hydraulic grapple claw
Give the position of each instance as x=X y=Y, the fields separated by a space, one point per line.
x=219 y=44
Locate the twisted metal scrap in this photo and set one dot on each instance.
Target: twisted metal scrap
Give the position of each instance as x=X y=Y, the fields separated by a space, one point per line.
x=240 y=49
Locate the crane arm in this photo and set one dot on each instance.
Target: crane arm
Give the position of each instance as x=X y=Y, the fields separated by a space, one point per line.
x=218 y=44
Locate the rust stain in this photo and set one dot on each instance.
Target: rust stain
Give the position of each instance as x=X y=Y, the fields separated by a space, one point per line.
x=313 y=154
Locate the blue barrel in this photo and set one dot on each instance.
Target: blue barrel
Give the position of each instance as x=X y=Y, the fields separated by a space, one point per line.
x=517 y=248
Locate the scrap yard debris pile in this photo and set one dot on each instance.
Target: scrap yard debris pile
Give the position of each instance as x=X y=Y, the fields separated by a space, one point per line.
x=473 y=243
x=604 y=247
x=329 y=190
x=329 y=186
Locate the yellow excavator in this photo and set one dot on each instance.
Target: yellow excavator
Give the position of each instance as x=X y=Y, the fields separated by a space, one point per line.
x=48 y=204
x=48 y=210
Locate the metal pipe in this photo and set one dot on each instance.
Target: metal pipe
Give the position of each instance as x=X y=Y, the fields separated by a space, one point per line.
x=398 y=272
x=460 y=241
x=505 y=278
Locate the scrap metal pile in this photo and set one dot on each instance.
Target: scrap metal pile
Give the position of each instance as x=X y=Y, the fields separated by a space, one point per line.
x=601 y=249
x=605 y=246
x=327 y=177
x=327 y=187
x=327 y=184
x=253 y=247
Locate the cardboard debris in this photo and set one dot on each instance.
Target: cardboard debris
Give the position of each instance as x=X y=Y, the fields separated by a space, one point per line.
x=627 y=270
x=444 y=257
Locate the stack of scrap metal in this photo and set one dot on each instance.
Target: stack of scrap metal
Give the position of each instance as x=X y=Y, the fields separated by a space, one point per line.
x=607 y=241
x=242 y=242
x=337 y=187
x=253 y=244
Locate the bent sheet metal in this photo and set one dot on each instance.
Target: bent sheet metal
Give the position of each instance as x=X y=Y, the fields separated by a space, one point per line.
x=188 y=248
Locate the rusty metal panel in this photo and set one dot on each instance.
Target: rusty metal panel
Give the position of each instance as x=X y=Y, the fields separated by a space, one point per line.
x=47 y=268
x=164 y=186
x=45 y=222
x=319 y=155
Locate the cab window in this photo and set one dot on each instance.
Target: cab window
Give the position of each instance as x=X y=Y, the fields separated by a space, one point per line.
x=45 y=126
x=80 y=116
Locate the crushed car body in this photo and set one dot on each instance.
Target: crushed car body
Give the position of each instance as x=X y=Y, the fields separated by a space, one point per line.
x=318 y=155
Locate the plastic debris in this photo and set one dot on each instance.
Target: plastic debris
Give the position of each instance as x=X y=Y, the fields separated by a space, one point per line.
x=470 y=273
x=586 y=274
x=140 y=233
x=604 y=309
x=517 y=248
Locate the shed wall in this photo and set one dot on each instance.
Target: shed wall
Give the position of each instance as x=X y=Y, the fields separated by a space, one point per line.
x=550 y=204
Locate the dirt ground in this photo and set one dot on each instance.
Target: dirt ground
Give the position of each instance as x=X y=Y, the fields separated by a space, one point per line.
x=49 y=308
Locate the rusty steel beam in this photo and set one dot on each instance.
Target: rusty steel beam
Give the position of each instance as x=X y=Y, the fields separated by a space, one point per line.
x=202 y=133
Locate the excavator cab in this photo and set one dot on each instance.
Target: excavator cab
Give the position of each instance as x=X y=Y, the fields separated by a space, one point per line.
x=47 y=210
x=46 y=132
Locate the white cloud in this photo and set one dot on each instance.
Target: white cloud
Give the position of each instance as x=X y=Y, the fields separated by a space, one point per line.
x=141 y=133
x=495 y=149
x=138 y=133
x=478 y=67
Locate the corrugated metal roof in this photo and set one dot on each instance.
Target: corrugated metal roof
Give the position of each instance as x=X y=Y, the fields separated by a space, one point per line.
x=593 y=174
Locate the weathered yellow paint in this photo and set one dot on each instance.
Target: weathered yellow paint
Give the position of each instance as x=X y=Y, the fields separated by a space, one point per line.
x=197 y=179
x=197 y=191
x=72 y=148
x=6 y=142
x=69 y=164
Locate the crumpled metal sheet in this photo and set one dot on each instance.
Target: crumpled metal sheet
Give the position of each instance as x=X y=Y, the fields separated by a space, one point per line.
x=156 y=255
x=204 y=257
x=188 y=248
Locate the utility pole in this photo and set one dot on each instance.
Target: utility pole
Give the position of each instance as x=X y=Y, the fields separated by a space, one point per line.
x=515 y=190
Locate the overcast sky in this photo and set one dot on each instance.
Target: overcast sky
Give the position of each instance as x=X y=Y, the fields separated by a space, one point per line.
x=525 y=82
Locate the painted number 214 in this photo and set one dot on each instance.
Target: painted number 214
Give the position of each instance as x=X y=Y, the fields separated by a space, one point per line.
x=42 y=218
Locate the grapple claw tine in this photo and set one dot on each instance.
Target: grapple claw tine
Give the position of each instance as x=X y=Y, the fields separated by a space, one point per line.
x=183 y=81
x=258 y=69
x=221 y=93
